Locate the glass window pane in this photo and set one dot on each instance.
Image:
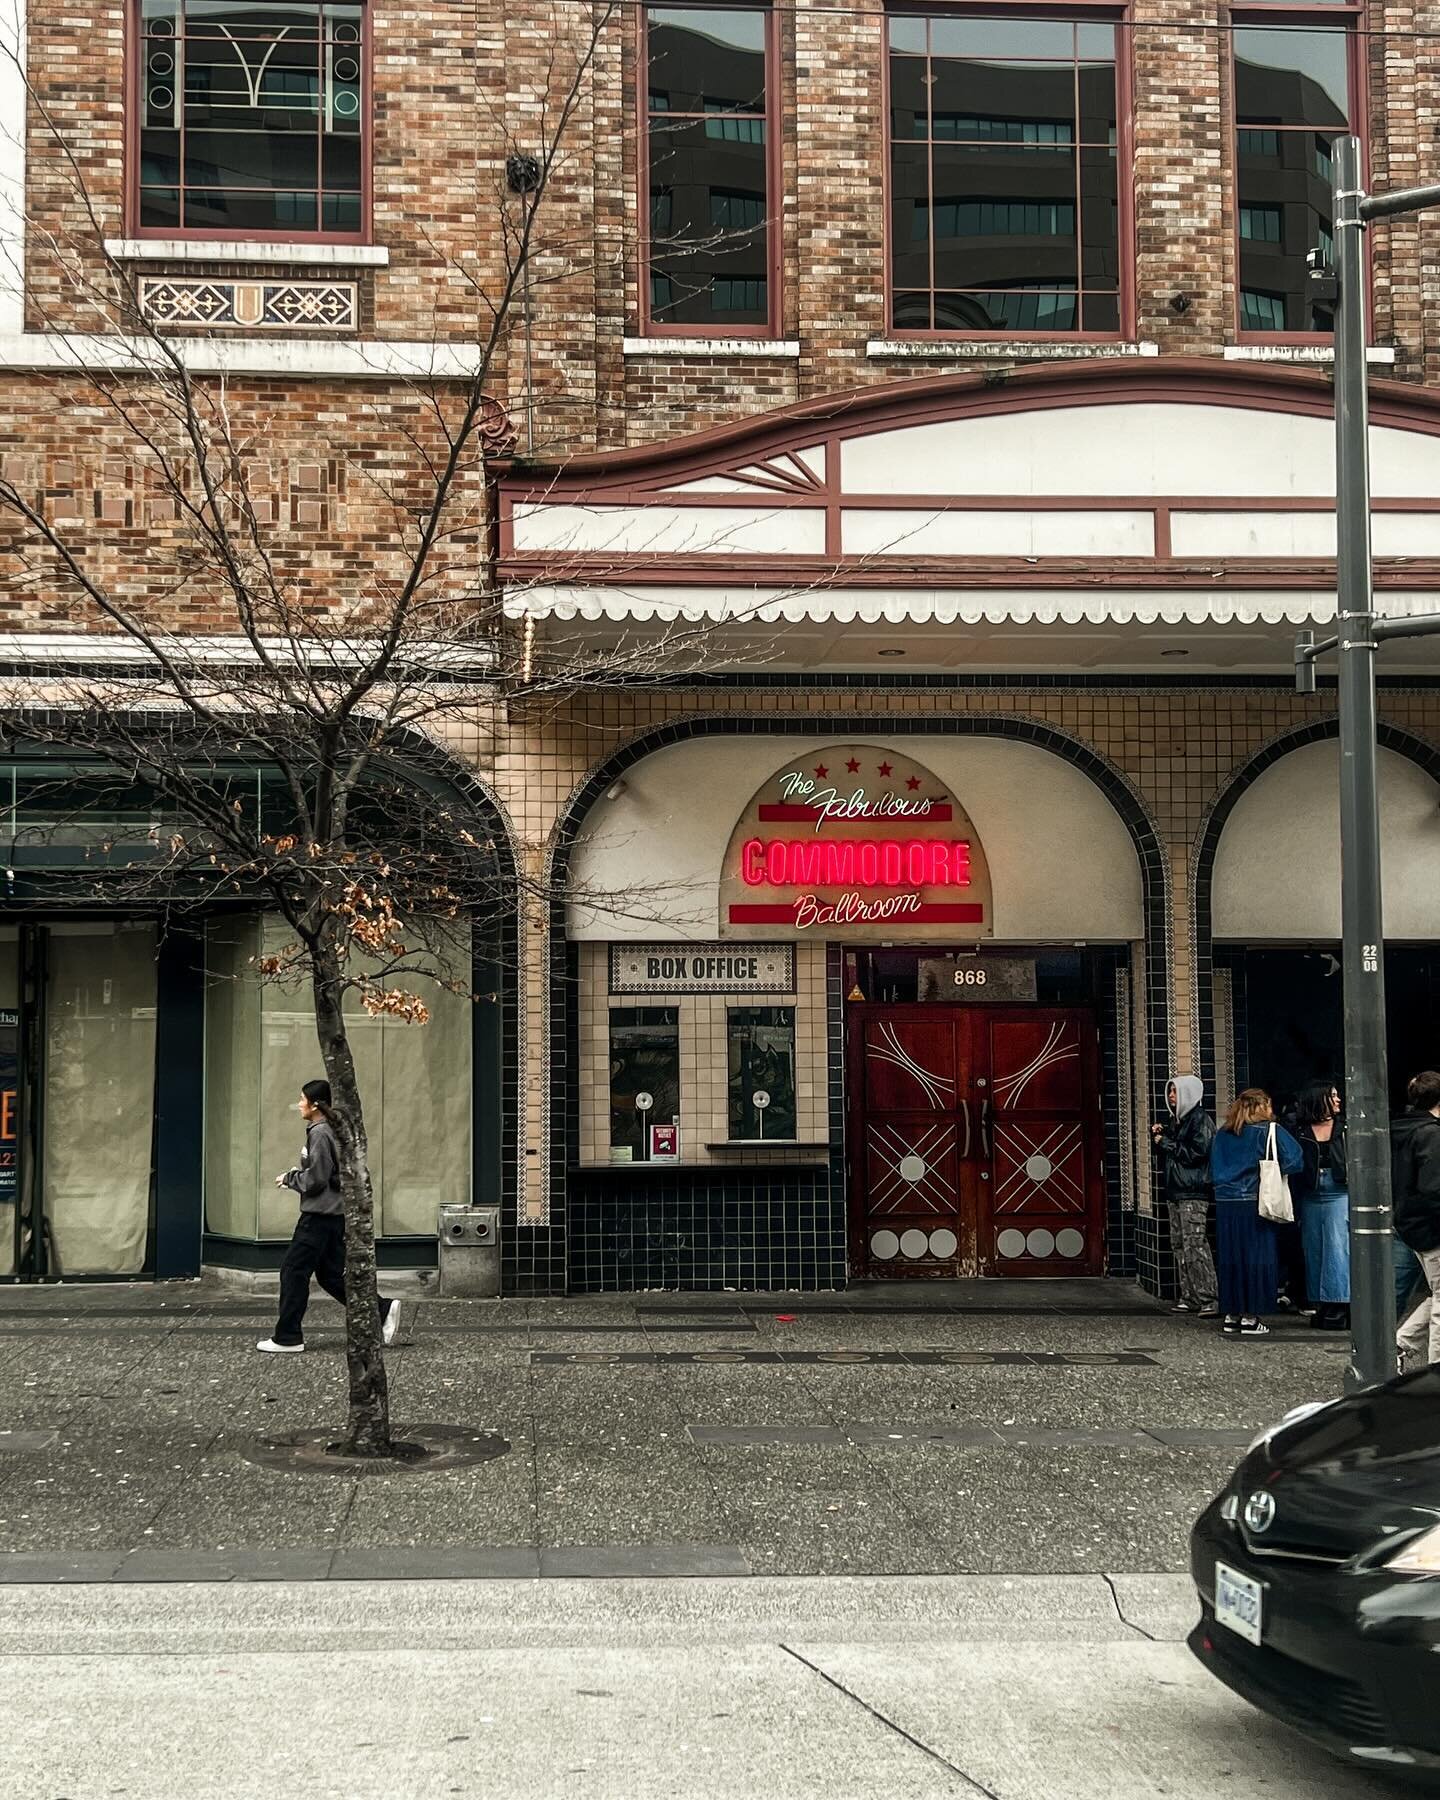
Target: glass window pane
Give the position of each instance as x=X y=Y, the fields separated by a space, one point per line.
x=1022 y=97
x=1291 y=77
x=761 y=1061
x=1099 y=219
x=909 y=97
x=1283 y=206
x=99 y=1097
x=255 y=91
x=911 y=312
x=710 y=242
x=1046 y=309
x=1095 y=43
x=1099 y=312
x=1002 y=38
x=704 y=60
x=244 y=159
x=907 y=33
x=234 y=1175
x=1003 y=222
x=1097 y=104
x=910 y=215
x=644 y=1060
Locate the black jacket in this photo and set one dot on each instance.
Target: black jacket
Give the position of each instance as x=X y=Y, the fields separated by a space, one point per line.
x=1305 y=1183
x=1184 y=1148
x=1415 y=1177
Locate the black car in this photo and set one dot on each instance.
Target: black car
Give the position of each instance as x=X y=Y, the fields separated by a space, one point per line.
x=1319 y=1575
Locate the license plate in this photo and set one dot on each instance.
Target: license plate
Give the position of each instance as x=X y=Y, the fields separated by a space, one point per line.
x=1239 y=1603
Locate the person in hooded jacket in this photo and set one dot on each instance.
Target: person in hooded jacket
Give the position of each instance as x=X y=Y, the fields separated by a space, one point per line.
x=1417 y=1218
x=1183 y=1144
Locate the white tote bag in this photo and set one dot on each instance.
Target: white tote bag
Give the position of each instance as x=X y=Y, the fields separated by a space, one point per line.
x=1275 y=1202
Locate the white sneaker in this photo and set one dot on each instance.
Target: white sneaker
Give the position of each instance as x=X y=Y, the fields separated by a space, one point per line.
x=390 y=1329
x=271 y=1348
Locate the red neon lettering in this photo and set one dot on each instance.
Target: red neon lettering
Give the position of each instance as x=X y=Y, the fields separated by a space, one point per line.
x=839 y=864
x=855 y=862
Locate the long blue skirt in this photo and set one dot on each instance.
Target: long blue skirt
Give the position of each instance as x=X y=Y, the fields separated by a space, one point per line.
x=1248 y=1273
x=1325 y=1233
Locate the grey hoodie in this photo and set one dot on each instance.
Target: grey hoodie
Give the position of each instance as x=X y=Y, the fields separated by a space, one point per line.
x=316 y=1179
x=1189 y=1091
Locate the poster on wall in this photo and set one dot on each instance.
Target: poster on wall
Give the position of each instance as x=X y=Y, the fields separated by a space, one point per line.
x=855 y=841
x=9 y=1104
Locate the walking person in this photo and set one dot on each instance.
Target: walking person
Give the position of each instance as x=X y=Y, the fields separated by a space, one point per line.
x=1322 y=1202
x=1417 y=1219
x=1183 y=1144
x=1410 y=1285
x=1247 y=1269
x=318 y=1246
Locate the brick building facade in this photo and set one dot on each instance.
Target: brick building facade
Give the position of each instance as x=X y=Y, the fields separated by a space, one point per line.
x=938 y=384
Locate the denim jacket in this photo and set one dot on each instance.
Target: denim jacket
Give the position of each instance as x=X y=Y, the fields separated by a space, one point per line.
x=1235 y=1159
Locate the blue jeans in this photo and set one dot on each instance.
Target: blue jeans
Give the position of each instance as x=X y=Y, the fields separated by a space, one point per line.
x=1407 y=1273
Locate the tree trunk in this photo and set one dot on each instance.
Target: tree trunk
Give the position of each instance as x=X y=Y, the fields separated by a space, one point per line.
x=367 y=1431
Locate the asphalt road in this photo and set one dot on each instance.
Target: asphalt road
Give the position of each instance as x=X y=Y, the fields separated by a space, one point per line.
x=1031 y=1687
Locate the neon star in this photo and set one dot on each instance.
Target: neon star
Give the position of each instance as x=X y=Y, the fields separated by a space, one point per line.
x=821 y=770
x=885 y=768
x=913 y=783
x=853 y=765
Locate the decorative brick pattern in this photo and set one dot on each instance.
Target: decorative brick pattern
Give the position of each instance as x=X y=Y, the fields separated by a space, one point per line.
x=251 y=305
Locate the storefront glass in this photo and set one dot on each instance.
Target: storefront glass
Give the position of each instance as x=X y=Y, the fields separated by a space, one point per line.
x=260 y=1049
x=761 y=1044
x=9 y=1093
x=644 y=1064
x=99 y=1108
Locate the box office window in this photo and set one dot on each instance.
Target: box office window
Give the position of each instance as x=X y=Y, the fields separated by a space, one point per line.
x=1294 y=94
x=250 y=118
x=644 y=1066
x=708 y=118
x=760 y=1044
x=1005 y=174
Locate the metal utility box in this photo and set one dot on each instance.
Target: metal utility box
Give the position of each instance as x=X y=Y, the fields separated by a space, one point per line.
x=469 y=1252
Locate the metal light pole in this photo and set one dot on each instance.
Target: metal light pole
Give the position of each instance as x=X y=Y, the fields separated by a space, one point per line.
x=1358 y=632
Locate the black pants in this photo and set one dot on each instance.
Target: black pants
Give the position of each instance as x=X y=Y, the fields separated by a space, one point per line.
x=318 y=1249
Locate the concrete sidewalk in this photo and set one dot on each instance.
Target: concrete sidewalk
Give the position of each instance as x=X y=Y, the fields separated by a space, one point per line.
x=1033 y=1427
x=996 y=1687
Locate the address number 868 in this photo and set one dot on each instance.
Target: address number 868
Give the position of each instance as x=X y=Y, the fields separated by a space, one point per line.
x=970 y=977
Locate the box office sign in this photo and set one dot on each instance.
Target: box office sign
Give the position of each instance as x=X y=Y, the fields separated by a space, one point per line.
x=855 y=841
x=702 y=968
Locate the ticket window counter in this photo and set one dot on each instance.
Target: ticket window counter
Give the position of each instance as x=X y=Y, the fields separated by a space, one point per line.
x=78 y=1003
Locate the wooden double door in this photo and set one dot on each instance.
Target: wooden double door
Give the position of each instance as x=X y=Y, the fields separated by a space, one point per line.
x=974 y=1141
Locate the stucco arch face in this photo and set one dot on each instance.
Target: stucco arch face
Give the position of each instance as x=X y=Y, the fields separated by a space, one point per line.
x=1277 y=866
x=647 y=864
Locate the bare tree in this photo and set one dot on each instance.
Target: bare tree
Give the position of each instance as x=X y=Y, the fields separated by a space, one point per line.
x=314 y=666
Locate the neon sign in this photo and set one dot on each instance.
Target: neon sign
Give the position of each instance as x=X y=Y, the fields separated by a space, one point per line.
x=857 y=862
x=880 y=846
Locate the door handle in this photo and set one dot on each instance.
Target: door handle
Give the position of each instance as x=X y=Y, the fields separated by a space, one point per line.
x=985 y=1129
x=965 y=1153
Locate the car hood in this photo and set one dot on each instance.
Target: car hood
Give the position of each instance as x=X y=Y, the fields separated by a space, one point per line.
x=1350 y=1477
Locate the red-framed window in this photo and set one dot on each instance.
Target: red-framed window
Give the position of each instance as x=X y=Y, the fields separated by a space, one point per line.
x=1009 y=172
x=709 y=171
x=250 y=119
x=1296 y=82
